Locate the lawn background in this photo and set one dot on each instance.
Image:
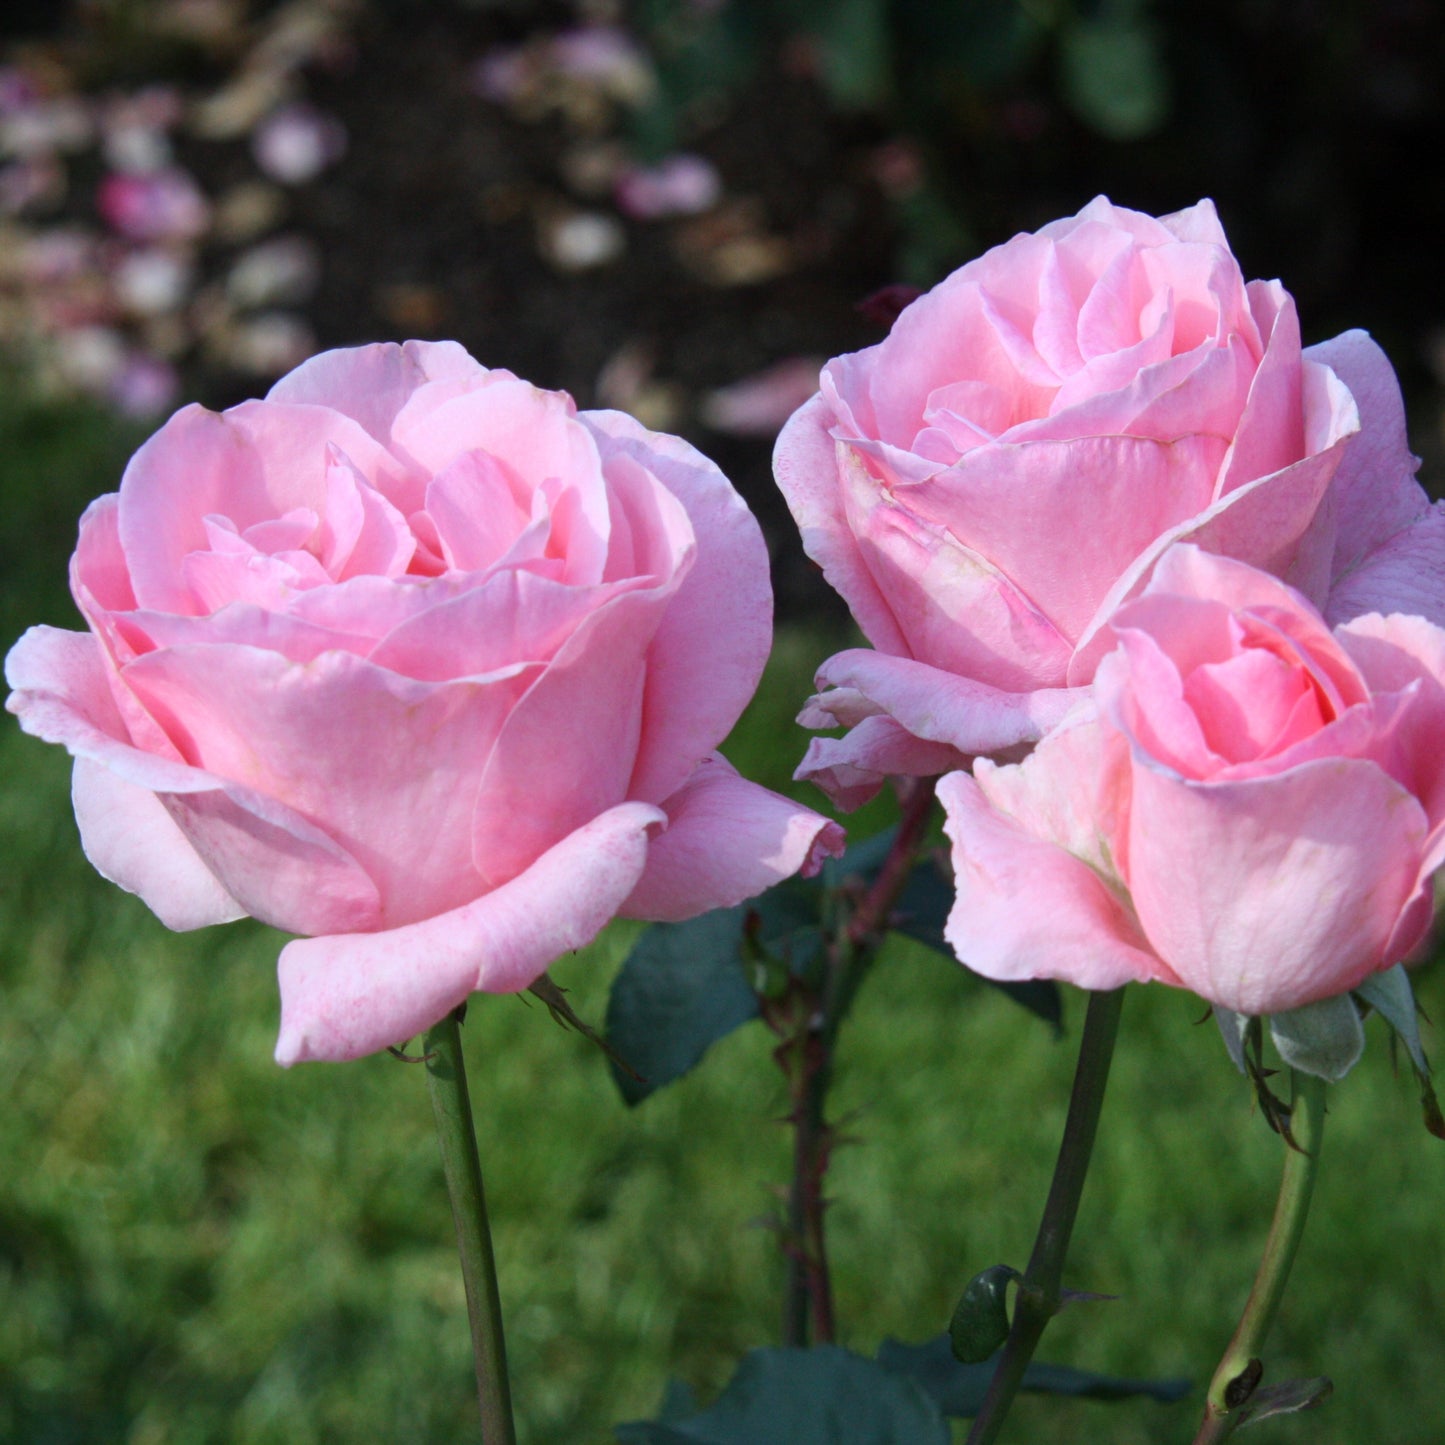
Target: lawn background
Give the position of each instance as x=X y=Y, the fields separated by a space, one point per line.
x=197 y=1246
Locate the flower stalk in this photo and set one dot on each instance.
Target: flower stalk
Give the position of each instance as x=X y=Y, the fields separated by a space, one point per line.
x=1238 y=1372
x=809 y=1030
x=451 y=1104
x=1039 y=1292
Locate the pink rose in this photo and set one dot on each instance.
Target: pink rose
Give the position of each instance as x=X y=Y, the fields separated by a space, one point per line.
x=988 y=484
x=1250 y=807
x=417 y=658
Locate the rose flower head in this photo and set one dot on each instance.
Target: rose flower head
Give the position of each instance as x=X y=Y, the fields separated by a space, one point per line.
x=1250 y=806
x=989 y=483
x=421 y=661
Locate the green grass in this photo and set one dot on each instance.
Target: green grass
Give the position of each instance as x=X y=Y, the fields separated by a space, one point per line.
x=197 y=1246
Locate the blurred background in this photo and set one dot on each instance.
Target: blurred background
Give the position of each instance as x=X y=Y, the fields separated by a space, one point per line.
x=680 y=208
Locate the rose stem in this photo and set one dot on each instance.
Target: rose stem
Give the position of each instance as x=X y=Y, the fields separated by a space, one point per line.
x=807 y=1057
x=447 y=1084
x=1239 y=1363
x=1037 y=1298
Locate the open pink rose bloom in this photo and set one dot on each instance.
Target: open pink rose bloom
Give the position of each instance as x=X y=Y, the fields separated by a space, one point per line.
x=1250 y=806
x=416 y=659
x=991 y=482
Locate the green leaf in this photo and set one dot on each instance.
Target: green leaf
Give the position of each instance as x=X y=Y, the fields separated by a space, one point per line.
x=1113 y=75
x=980 y=1319
x=1325 y=1039
x=680 y=990
x=822 y=1396
x=1234 y=1027
x=1391 y=996
x=922 y=911
x=959 y=1389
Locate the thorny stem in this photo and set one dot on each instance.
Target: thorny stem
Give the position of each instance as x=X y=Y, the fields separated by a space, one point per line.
x=1239 y=1368
x=1038 y=1297
x=806 y=1056
x=447 y=1084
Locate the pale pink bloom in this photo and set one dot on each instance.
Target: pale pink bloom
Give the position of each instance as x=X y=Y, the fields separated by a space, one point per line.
x=680 y=185
x=163 y=205
x=421 y=661
x=296 y=143
x=758 y=405
x=987 y=485
x=1249 y=806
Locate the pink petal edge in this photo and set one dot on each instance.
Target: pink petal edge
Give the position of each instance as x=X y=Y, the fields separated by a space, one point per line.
x=131 y=840
x=726 y=840
x=347 y=995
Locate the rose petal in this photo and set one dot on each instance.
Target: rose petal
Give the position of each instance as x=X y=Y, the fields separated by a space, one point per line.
x=1035 y=511
x=386 y=767
x=1404 y=574
x=371 y=384
x=696 y=688
x=805 y=464
x=1295 y=882
x=1376 y=494
x=942 y=707
x=278 y=866
x=131 y=839
x=1028 y=909
x=586 y=708
x=726 y=840
x=851 y=769
x=349 y=995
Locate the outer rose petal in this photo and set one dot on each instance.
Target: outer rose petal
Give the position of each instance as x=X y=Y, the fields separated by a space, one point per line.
x=371 y=384
x=806 y=465
x=1405 y=574
x=351 y=994
x=1376 y=494
x=1268 y=894
x=278 y=866
x=1028 y=909
x=942 y=707
x=851 y=769
x=726 y=840
x=708 y=653
x=132 y=840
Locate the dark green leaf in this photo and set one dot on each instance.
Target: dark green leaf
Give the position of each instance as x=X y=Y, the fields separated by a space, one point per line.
x=980 y=1319
x=678 y=1401
x=681 y=989
x=823 y=1396
x=959 y=1389
x=921 y=912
